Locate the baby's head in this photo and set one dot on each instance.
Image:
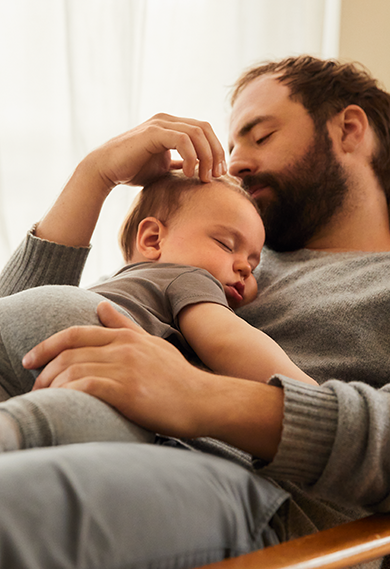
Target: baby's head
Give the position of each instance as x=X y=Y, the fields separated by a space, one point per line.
x=214 y=226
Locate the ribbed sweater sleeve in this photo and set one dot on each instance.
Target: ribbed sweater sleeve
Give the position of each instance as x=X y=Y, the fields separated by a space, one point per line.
x=335 y=442
x=309 y=430
x=38 y=262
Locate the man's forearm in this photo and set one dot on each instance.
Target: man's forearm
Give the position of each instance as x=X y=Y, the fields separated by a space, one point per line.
x=73 y=217
x=248 y=415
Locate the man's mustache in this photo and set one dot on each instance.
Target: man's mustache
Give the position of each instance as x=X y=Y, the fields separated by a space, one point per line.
x=264 y=179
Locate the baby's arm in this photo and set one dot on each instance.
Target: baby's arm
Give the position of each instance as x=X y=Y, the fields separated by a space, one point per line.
x=230 y=346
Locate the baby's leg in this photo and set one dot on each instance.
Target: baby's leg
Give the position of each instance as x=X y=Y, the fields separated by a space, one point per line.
x=50 y=417
x=54 y=416
x=28 y=317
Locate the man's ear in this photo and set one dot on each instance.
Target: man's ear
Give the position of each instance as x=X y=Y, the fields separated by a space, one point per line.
x=149 y=235
x=351 y=125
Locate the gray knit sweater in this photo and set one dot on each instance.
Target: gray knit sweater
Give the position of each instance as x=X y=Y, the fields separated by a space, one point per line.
x=329 y=312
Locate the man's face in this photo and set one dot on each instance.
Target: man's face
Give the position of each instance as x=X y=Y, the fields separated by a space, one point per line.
x=288 y=167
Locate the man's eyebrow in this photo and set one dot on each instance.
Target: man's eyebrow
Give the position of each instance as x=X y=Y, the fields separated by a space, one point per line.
x=244 y=130
x=257 y=120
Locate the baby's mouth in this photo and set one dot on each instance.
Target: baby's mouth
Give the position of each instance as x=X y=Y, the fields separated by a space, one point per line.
x=236 y=291
x=240 y=287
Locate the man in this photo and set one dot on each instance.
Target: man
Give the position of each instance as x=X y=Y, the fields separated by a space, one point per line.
x=324 y=301
x=314 y=154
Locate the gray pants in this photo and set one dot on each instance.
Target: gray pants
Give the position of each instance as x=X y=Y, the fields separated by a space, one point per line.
x=129 y=506
x=51 y=416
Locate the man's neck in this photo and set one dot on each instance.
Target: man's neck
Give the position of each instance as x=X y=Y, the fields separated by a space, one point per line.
x=353 y=237
x=362 y=225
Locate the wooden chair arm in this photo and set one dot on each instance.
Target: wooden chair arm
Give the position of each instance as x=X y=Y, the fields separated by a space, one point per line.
x=342 y=546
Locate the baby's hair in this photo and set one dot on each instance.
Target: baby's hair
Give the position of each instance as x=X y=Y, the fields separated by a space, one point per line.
x=162 y=198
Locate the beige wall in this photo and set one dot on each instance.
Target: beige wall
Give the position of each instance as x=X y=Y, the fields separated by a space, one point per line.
x=365 y=36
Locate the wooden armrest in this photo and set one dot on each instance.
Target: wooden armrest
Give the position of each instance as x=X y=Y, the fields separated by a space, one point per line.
x=342 y=546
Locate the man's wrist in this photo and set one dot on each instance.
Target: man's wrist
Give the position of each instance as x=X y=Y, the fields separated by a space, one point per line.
x=248 y=415
x=90 y=172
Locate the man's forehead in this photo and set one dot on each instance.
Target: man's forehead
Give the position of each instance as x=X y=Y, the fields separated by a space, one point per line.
x=263 y=96
x=263 y=84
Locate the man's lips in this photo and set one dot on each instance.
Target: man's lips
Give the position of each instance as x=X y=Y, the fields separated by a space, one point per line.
x=257 y=189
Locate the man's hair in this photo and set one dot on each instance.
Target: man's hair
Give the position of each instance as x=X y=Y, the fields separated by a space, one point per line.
x=326 y=87
x=163 y=198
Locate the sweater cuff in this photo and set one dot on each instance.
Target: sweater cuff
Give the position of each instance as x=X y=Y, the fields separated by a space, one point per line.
x=39 y=262
x=309 y=431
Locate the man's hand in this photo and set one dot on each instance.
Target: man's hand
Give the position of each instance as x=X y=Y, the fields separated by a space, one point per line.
x=143 y=153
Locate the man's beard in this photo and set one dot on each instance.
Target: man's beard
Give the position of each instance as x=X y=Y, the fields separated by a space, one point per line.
x=305 y=196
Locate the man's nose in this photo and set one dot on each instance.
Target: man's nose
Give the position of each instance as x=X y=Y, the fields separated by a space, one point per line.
x=241 y=163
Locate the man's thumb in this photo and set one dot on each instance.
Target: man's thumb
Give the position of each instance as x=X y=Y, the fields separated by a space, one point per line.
x=111 y=318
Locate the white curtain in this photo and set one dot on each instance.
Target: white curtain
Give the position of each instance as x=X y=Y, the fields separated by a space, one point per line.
x=74 y=73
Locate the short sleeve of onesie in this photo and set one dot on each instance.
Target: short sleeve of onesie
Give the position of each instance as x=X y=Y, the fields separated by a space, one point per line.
x=154 y=293
x=192 y=286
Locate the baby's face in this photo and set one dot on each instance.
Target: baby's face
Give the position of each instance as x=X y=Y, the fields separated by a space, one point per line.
x=220 y=231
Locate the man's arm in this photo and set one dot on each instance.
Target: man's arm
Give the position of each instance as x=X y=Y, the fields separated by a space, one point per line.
x=334 y=438
x=230 y=346
x=57 y=252
x=132 y=158
x=38 y=262
x=336 y=442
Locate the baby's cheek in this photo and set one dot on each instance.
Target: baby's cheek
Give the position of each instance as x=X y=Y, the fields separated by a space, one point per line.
x=250 y=290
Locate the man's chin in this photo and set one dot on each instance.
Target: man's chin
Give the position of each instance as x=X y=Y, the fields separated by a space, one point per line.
x=281 y=235
x=283 y=241
x=264 y=199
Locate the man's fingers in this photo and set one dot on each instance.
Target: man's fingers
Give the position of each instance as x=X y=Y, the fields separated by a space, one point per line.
x=73 y=364
x=105 y=389
x=65 y=355
x=143 y=153
x=111 y=318
x=74 y=337
x=200 y=144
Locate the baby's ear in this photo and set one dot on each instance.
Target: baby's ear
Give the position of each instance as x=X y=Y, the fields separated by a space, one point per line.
x=149 y=235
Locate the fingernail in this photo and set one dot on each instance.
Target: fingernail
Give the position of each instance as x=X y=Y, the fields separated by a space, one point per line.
x=27 y=360
x=224 y=167
x=218 y=170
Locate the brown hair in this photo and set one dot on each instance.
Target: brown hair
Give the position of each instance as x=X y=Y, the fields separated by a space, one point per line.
x=162 y=198
x=326 y=87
